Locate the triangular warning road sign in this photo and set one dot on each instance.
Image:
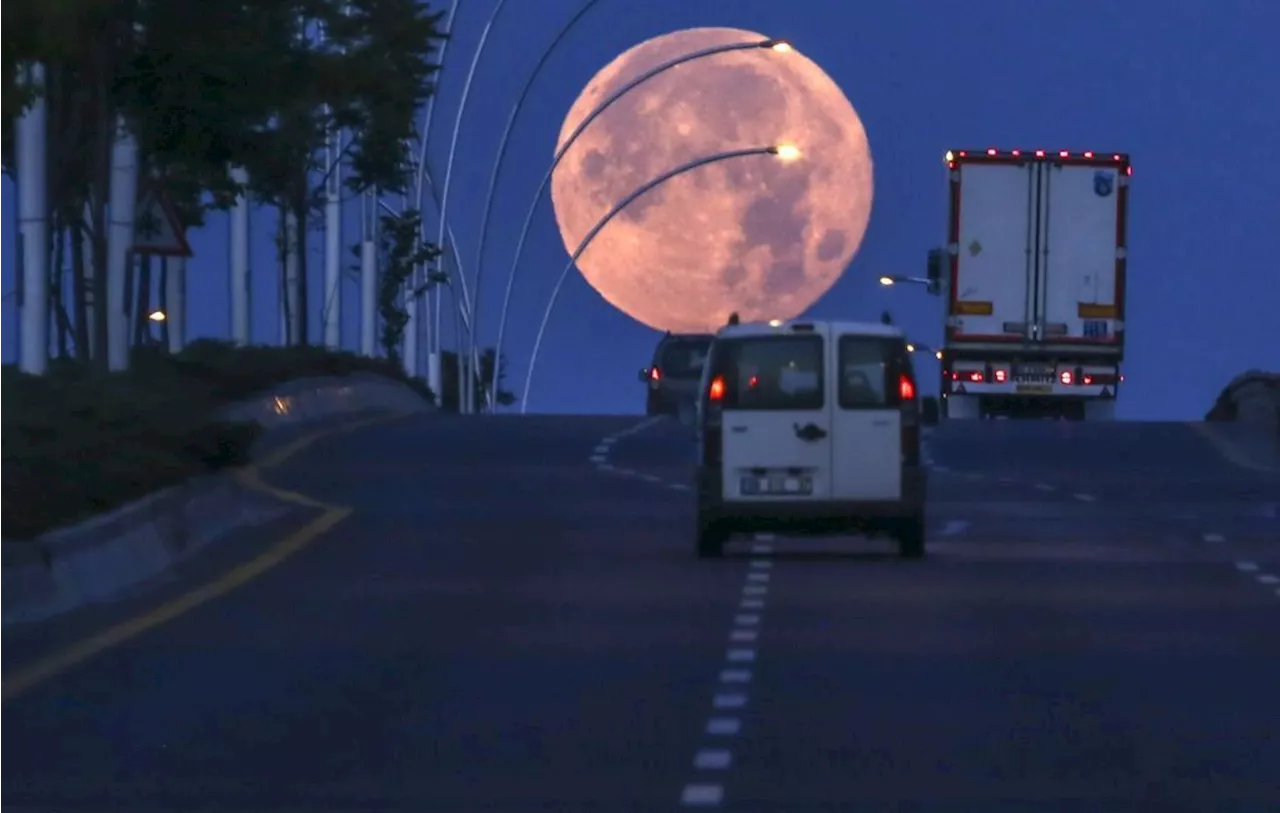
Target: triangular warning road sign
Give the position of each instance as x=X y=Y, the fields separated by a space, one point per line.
x=157 y=229
x=1106 y=392
x=960 y=390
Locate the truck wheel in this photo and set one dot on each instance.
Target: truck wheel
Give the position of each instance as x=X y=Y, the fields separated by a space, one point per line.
x=711 y=538
x=911 y=538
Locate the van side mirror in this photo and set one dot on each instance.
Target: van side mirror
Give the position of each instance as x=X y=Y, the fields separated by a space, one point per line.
x=644 y=374
x=929 y=410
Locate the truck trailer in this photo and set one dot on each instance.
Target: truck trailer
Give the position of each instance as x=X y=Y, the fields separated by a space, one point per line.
x=1033 y=276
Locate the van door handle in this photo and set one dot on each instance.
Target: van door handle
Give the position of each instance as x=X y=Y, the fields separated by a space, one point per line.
x=809 y=432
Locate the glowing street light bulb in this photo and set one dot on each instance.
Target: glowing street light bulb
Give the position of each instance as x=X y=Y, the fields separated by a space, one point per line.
x=788 y=152
x=156 y=316
x=911 y=348
x=938 y=355
x=886 y=280
x=780 y=47
x=775 y=323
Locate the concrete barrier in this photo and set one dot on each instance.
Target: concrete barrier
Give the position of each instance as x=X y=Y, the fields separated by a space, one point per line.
x=102 y=558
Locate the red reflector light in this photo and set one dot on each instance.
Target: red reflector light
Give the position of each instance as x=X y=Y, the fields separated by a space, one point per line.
x=906 y=388
x=1088 y=380
x=1088 y=155
x=1063 y=154
x=975 y=377
x=753 y=381
x=1039 y=153
x=1000 y=376
x=991 y=151
x=1016 y=153
x=655 y=375
x=1066 y=377
x=716 y=391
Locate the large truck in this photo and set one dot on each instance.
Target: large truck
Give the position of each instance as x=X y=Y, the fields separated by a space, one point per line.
x=1033 y=276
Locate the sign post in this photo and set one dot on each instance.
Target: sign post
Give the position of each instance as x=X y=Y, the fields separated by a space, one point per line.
x=159 y=232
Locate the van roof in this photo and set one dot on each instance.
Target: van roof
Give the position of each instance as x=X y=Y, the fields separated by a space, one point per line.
x=856 y=328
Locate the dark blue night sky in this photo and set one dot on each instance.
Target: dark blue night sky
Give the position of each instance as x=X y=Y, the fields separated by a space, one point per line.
x=1188 y=93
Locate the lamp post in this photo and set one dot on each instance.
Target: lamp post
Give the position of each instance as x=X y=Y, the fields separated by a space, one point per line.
x=422 y=179
x=503 y=141
x=434 y=352
x=891 y=280
x=780 y=46
x=783 y=152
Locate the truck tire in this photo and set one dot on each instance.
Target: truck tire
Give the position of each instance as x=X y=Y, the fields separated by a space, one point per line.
x=911 y=538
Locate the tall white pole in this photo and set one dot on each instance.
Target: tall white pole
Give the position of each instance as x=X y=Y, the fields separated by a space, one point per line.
x=123 y=195
x=369 y=273
x=176 y=303
x=332 y=307
x=33 y=228
x=464 y=402
x=240 y=291
x=292 y=324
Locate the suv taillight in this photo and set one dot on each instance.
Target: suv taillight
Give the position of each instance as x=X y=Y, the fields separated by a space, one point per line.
x=715 y=392
x=655 y=374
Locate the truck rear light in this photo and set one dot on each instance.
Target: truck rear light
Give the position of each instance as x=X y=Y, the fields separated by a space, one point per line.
x=1066 y=377
x=655 y=374
x=975 y=376
x=715 y=393
x=1000 y=376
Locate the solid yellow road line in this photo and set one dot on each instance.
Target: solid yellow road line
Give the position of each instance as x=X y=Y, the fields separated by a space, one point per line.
x=250 y=477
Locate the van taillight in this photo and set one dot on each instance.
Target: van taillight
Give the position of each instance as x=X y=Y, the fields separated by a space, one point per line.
x=716 y=391
x=906 y=388
x=655 y=374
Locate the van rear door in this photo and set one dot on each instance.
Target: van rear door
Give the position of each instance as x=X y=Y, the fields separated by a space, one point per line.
x=771 y=394
x=867 y=445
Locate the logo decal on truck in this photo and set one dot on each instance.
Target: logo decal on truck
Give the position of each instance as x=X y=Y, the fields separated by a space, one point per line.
x=1103 y=183
x=975 y=248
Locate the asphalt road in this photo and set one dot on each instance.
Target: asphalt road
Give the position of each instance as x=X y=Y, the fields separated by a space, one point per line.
x=511 y=620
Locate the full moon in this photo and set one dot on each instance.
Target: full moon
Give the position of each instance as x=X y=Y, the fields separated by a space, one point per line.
x=754 y=234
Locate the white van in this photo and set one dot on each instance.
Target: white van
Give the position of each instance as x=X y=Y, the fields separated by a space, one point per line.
x=809 y=427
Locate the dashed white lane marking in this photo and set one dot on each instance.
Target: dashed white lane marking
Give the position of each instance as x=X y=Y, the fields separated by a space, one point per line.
x=751 y=604
x=942 y=469
x=712 y=759
x=1044 y=487
x=724 y=726
x=743 y=636
x=765 y=537
x=755 y=589
x=735 y=676
x=1084 y=497
x=758 y=577
x=761 y=564
x=729 y=700
x=746 y=620
x=649 y=478
x=702 y=795
x=1247 y=567
x=954 y=527
x=602 y=447
x=598 y=458
x=740 y=656
x=678 y=487
x=1214 y=538
x=1267 y=578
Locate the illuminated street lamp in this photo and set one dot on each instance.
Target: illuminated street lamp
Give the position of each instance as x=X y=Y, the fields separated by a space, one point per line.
x=775 y=45
x=156 y=316
x=786 y=153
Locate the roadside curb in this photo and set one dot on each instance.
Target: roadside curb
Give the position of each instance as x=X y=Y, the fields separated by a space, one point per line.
x=103 y=557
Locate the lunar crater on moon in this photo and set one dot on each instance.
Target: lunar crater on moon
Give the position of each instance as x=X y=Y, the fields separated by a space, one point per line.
x=752 y=234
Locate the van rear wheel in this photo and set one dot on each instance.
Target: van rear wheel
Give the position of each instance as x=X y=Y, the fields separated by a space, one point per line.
x=911 y=538
x=711 y=540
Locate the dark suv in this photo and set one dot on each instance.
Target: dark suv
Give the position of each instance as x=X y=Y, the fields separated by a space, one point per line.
x=673 y=377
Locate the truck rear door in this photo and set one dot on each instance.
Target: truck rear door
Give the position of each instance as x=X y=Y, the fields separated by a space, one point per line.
x=1080 y=292
x=991 y=235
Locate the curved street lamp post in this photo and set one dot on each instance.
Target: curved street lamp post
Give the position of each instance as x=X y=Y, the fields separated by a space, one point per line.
x=783 y=152
x=503 y=141
x=434 y=356
x=780 y=46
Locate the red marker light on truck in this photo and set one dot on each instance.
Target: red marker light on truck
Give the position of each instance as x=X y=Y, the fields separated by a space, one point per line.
x=1000 y=376
x=1066 y=377
x=975 y=377
x=655 y=375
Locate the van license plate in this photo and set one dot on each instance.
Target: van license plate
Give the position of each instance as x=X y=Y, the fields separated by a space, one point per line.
x=777 y=485
x=1035 y=389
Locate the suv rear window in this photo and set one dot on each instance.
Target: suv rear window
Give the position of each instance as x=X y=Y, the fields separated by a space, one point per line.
x=869 y=370
x=682 y=358
x=771 y=373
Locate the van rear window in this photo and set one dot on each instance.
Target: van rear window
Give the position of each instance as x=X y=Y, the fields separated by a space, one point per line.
x=682 y=358
x=869 y=368
x=771 y=373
